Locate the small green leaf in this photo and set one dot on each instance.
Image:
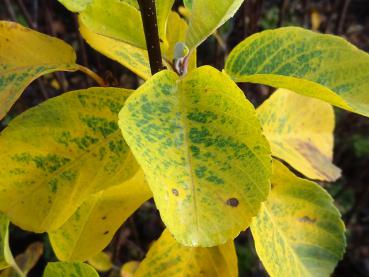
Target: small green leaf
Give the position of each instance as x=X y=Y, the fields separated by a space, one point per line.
x=298 y=231
x=63 y=269
x=200 y=145
x=26 y=55
x=75 y=5
x=93 y=225
x=316 y=65
x=188 y=4
x=168 y=258
x=300 y=131
x=206 y=17
x=59 y=153
x=6 y=258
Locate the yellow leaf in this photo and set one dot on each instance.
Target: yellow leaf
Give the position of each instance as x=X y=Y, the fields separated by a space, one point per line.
x=26 y=55
x=57 y=154
x=200 y=145
x=298 y=231
x=300 y=131
x=168 y=258
x=316 y=65
x=101 y=261
x=206 y=16
x=94 y=224
x=134 y=58
x=129 y=269
x=63 y=269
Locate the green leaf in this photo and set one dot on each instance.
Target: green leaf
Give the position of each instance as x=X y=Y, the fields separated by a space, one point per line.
x=300 y=131
x=316 y=65
x=200 y=145
x=206 y=17
x=115 y=19
x=63 y=269
x=188 y=4
x=168 y=258
x=93 y=225
x=298 y=231
x=57 y=154
x=6 y=258
x=76 y=5
x=26 y=55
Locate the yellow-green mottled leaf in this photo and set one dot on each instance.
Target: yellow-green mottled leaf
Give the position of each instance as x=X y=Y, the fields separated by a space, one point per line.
x=6 y=258
x=94 y=224
x=300 y=131
x=57 y=154
x=101 y=261
x=26 y=55
x=64 y=269
x=134 y=58
x=168 y=258
x=75 y=5
x=298 y=231
x=200 y=145
x=206 y=17
x=188 y=4
x=316 y=65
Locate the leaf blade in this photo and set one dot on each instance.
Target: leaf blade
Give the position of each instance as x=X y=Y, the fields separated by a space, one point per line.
x=167 y=257
x=60 y=152
x=62 y=269
x=298 y=231
x=191 y=156
x=316 y=65
x=300 y=131
x=97 y=220
x=21 y=60
x=206 y=17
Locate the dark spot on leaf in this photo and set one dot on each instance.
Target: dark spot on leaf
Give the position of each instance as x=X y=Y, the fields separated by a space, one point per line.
x=307 y=219
x=106 y=232
x=175 y=192
x=103 y=218
x=233 y=202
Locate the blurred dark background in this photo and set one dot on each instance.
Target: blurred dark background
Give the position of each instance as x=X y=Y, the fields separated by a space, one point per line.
x=349 y=19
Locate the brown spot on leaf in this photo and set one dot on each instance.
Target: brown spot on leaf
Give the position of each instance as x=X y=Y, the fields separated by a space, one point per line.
x=175 y=192
x=104 y=217
x=307 y=219
x=233 y=202
x=106 y=232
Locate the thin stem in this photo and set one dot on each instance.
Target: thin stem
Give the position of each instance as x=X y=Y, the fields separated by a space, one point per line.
x=150 y=24
x=100 y=81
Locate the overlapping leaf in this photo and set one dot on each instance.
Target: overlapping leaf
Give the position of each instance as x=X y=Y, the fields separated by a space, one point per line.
x=206 y=17
x=57 y=154
x=97 y=220
x=300 y=131
x=64 y=269
x=200 y=145
x=321 y=66
x=298 y=231
x=168 y=258
x=26 y=55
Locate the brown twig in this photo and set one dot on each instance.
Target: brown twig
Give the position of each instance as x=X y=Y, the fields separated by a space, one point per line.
x=26 y=15
x=342 y=17
x=150 y=24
